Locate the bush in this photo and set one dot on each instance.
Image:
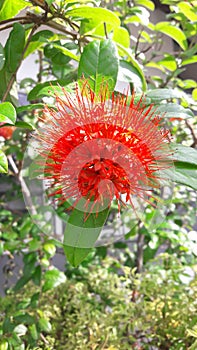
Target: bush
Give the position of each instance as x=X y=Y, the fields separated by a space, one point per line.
x=103 y=309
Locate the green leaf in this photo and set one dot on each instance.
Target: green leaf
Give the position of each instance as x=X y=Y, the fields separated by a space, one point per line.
x=36 y=277
x=184 y=154
x=11 y=8
x=146 y=3
x=99 y=63
x=174 y=32
x=81 y=234
x=65 y=51
x=163 y=94
x=188 y=10
x=134 y=63
x=29 y=108
x=194 y=94
x=49 y=248
x=33 y=331
x=2 y=57
x=190 y=60
x=38 y=40
x=44 y=325
x=21 y=282
x=185 y=166
x=182 y=175
x=49 y=2
x=7 y=113
x=173 y=110
x=14 y=47
x=168 y=62
x=129 y=74
x=3 y=163
x=24 y=125
x=53 y=278
x=48 y=88
x=121 y=36
x=4 y=345
x=20 y=330
x=97 y=14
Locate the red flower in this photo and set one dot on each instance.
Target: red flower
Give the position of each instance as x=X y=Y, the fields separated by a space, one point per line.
x=95 y=148
x=6 y=131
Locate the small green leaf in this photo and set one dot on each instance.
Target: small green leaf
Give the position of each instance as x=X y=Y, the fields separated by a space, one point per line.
x=53 y=278
x=174 y=32
x=146 y=3
x=24 y=125
x=7 y=113
x=30 y=107
x=20 y=330
x=4 y=345
x=36 y=277
x=65 y=51
x=190 y=60
x=2 y=57
x=188 y=10
x=11 y=8
x=49 y=248
x=21 y=282
x=33 y=331
x=14 y=47
x=49 y=2
x=99 y=63
x=3 y=163
x=194 y=94
x=168 y=62
x=44 y=325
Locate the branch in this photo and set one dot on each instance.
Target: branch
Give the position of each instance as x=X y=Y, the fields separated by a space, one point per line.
x=59 y=27
x=24 y=187
x=140 y=246
x=16 y=19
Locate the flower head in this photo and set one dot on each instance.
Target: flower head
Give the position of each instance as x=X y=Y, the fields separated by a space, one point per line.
x=98 y=148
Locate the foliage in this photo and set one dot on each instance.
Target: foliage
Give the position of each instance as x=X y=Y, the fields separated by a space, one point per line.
x=103 y=303
x=106 y=305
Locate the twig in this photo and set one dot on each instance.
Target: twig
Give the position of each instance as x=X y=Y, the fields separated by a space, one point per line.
x=140 y=246
x=137 y=42
x=59 y=27
x=40 y=66
x=44 y=339
x=105 y=30
x=24 y=187
x=9 y=20
x=11 y=25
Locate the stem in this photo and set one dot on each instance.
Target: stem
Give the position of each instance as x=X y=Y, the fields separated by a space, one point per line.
x=140 y=245
x=24 y=187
